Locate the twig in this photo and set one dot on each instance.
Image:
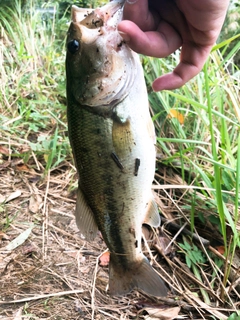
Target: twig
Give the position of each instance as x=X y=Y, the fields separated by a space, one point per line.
x=177 y=186
x=94 y=284
x=215 y=312
x=182 y=229
x=176 y=235
x=42 y=296
x=45 y=218
x=62 y=198
x=107 y=314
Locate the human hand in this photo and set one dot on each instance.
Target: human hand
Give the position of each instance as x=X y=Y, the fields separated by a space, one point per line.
x=159 y=27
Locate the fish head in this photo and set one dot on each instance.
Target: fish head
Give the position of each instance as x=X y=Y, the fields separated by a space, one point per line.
x=100 y=66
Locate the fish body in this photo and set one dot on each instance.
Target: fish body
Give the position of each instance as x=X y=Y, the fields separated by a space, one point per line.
x=112 y=138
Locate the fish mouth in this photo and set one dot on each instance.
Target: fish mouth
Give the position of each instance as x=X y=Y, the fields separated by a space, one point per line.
x=98 y=17
x=102 y=63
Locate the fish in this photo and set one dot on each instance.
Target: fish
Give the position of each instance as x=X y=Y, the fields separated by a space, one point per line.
x=113 y=143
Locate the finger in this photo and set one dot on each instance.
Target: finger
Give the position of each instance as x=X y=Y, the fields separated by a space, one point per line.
x=211 y=12
x=138 y=12
x=157 y=44
x=192 y=61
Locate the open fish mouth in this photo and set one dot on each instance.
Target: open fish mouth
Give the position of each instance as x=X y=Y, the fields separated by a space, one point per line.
x=98 y=17
x=104 y=66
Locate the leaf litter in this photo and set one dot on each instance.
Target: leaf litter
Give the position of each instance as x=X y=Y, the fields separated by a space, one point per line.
x=48 y=271
x=53 y=273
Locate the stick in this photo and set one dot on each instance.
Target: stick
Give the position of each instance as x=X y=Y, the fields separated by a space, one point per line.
x=42 y=296
x=175 y=226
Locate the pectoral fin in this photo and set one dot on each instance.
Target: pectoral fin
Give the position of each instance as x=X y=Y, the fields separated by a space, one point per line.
x=151 y=129
x=122 y=136
x=152 y=216
x=85 y=218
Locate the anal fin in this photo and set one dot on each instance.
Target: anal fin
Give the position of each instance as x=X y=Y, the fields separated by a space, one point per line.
x=85 y=218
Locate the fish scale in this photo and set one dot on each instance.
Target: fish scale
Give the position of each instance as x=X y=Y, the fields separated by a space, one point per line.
x=104 y=184
x=112 y=138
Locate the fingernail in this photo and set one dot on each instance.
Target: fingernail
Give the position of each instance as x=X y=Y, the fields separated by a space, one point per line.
x=131 y=2
x=125 y=36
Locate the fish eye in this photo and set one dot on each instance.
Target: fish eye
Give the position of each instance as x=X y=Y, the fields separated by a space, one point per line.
x=73 y=46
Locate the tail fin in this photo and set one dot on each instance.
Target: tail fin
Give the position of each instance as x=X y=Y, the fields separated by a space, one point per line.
x=140 y=276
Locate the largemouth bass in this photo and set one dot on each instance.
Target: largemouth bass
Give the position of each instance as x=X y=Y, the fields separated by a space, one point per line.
x=112 y=138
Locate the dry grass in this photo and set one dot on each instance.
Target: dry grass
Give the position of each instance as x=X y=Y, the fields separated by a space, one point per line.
x=51 y=273
x=54 y=274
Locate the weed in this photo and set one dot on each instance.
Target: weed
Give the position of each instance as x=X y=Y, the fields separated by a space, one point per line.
x=33 y=87
x=206 y=141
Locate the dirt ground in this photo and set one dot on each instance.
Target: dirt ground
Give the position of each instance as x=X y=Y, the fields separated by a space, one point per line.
x=48 y=272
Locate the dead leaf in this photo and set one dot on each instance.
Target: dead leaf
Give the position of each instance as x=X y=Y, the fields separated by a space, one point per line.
x=221 y=249
x=176 y=114
x=18 y=314
x=4 y=165
x=25 y=168
x=35 y=203
x=23 y=148
x=4 y=150
x=3 y=236
x=162 y=313
x=164 y=244
x=29 y=249
x=104 y=259
x=12 y=196
x=19 y=239
x=76 y=255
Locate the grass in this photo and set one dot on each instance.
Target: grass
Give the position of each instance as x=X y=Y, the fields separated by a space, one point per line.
x=197 y=174
x=208 y=141
x=33 y=85
x=200 y=140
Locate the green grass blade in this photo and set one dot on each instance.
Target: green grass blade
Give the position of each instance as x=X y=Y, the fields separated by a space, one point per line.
x=218 y=192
